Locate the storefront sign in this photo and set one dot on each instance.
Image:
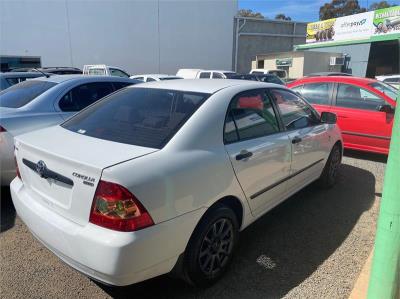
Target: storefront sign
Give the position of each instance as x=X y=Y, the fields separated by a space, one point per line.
x=284 y=61
x=387 y=21
x=359 y=26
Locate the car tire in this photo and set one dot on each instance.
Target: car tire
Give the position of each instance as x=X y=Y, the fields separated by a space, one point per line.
x=211 y=247
x=328 y=177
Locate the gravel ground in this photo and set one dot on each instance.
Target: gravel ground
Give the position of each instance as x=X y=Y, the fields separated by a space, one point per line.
x=312 y=246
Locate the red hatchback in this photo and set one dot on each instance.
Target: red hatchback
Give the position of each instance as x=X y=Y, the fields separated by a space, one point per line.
x=364 y=107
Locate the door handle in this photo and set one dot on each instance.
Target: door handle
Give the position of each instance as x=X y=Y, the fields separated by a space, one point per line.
x=296 y=139
x=244 y=155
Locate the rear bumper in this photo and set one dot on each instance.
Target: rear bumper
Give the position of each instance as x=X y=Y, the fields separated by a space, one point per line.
x=115 y=258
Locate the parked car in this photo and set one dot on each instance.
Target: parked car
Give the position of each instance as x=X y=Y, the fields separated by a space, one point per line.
x=12 y=78
x=279 y=73
x=188 y=73
x=267 y=78
x=59 y=70
x=154 y=77
x=328 y=74
x=43 y=102
x=365 y=108
x=104 y=70
x=204 y=74
x=164 y=175
x=215 y=74
x=393 y=80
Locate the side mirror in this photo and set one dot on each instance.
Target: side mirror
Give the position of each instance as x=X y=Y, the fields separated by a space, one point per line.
x=386 y=108
x=328 y=118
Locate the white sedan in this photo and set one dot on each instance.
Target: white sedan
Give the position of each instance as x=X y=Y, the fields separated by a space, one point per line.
x=154 y=77
x=163 y=176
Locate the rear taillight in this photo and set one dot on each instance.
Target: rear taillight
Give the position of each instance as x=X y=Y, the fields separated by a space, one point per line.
x=116 y=208
x=16 y=167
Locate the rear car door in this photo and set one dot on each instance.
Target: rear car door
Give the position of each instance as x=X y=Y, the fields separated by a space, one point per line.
x=319 y=95
x=308 y=136
x=363 y=126
x=82 y=96
x=260 y=152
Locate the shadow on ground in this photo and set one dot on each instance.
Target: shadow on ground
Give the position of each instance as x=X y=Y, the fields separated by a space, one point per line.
x=290 y=243
x=366 y=156
x=7 y=210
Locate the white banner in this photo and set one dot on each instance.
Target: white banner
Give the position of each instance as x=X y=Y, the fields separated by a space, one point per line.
x=353 y=27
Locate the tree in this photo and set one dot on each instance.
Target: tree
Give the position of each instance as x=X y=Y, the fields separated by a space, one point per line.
x=379 y=5
x=340 y=8
x=281 y=16
x=249 y=13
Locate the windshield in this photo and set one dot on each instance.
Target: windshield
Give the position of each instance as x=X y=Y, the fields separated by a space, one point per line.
x=387 y=89
x=138 y=116
x=21 y=94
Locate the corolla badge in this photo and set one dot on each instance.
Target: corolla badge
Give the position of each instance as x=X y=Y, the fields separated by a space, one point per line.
x=41 y=168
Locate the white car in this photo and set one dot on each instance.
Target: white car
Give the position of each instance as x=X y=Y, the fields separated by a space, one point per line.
x=393 y=80
x=154 y=77
x=163 y=176
x=104 y=70
x=204 y=74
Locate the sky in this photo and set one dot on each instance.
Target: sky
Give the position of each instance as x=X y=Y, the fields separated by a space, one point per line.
x=298 y=10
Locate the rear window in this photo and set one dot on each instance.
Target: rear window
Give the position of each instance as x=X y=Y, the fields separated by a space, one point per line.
x=138 y=116
x=21 y=94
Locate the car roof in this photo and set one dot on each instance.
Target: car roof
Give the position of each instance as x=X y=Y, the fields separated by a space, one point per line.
x=21 y=74
x=342 y=79
x=220 y=71
x=203 y=85
x=328 y=74
x=63 y=78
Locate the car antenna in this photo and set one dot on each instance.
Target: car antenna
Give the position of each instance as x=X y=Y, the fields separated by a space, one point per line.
x=44 y=74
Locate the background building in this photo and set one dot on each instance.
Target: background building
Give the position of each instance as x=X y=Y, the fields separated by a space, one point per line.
x=255 y=36
x=370 y=42
x=139 y=36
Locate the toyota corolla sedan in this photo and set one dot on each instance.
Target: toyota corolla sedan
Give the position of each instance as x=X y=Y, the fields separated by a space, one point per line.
x=162 y=177
x=364 y=108
x=44 y=102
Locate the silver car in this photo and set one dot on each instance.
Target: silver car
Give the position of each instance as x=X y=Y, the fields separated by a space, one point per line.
x=43 y=102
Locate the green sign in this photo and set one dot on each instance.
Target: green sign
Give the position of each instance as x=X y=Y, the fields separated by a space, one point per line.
x=284 y=62
x=387 y=21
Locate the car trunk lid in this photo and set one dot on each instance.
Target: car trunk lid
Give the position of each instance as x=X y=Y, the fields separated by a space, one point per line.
x=61 y=169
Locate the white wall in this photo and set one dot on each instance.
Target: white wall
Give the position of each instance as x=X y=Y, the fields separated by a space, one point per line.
x=141 y=36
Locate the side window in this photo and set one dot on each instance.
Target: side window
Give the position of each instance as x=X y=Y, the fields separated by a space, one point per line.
x=84 y=95
x=149 y=79
x=205 y=75
x=119 y=85
x=118 y=73
x=139 y=78
x=295 y=113
x=317 y=93
x=250 y=115
x=217 y=75
x=350 y=96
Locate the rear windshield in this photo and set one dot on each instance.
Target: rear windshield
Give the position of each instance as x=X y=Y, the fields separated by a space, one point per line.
x=138 y=116
x=387 y=89
x=21 y=94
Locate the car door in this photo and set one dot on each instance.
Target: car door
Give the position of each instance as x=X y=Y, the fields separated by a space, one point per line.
x=318 y=94
x=308 y=136
x=82 y=96
x=363 y=126
x=260 y=152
